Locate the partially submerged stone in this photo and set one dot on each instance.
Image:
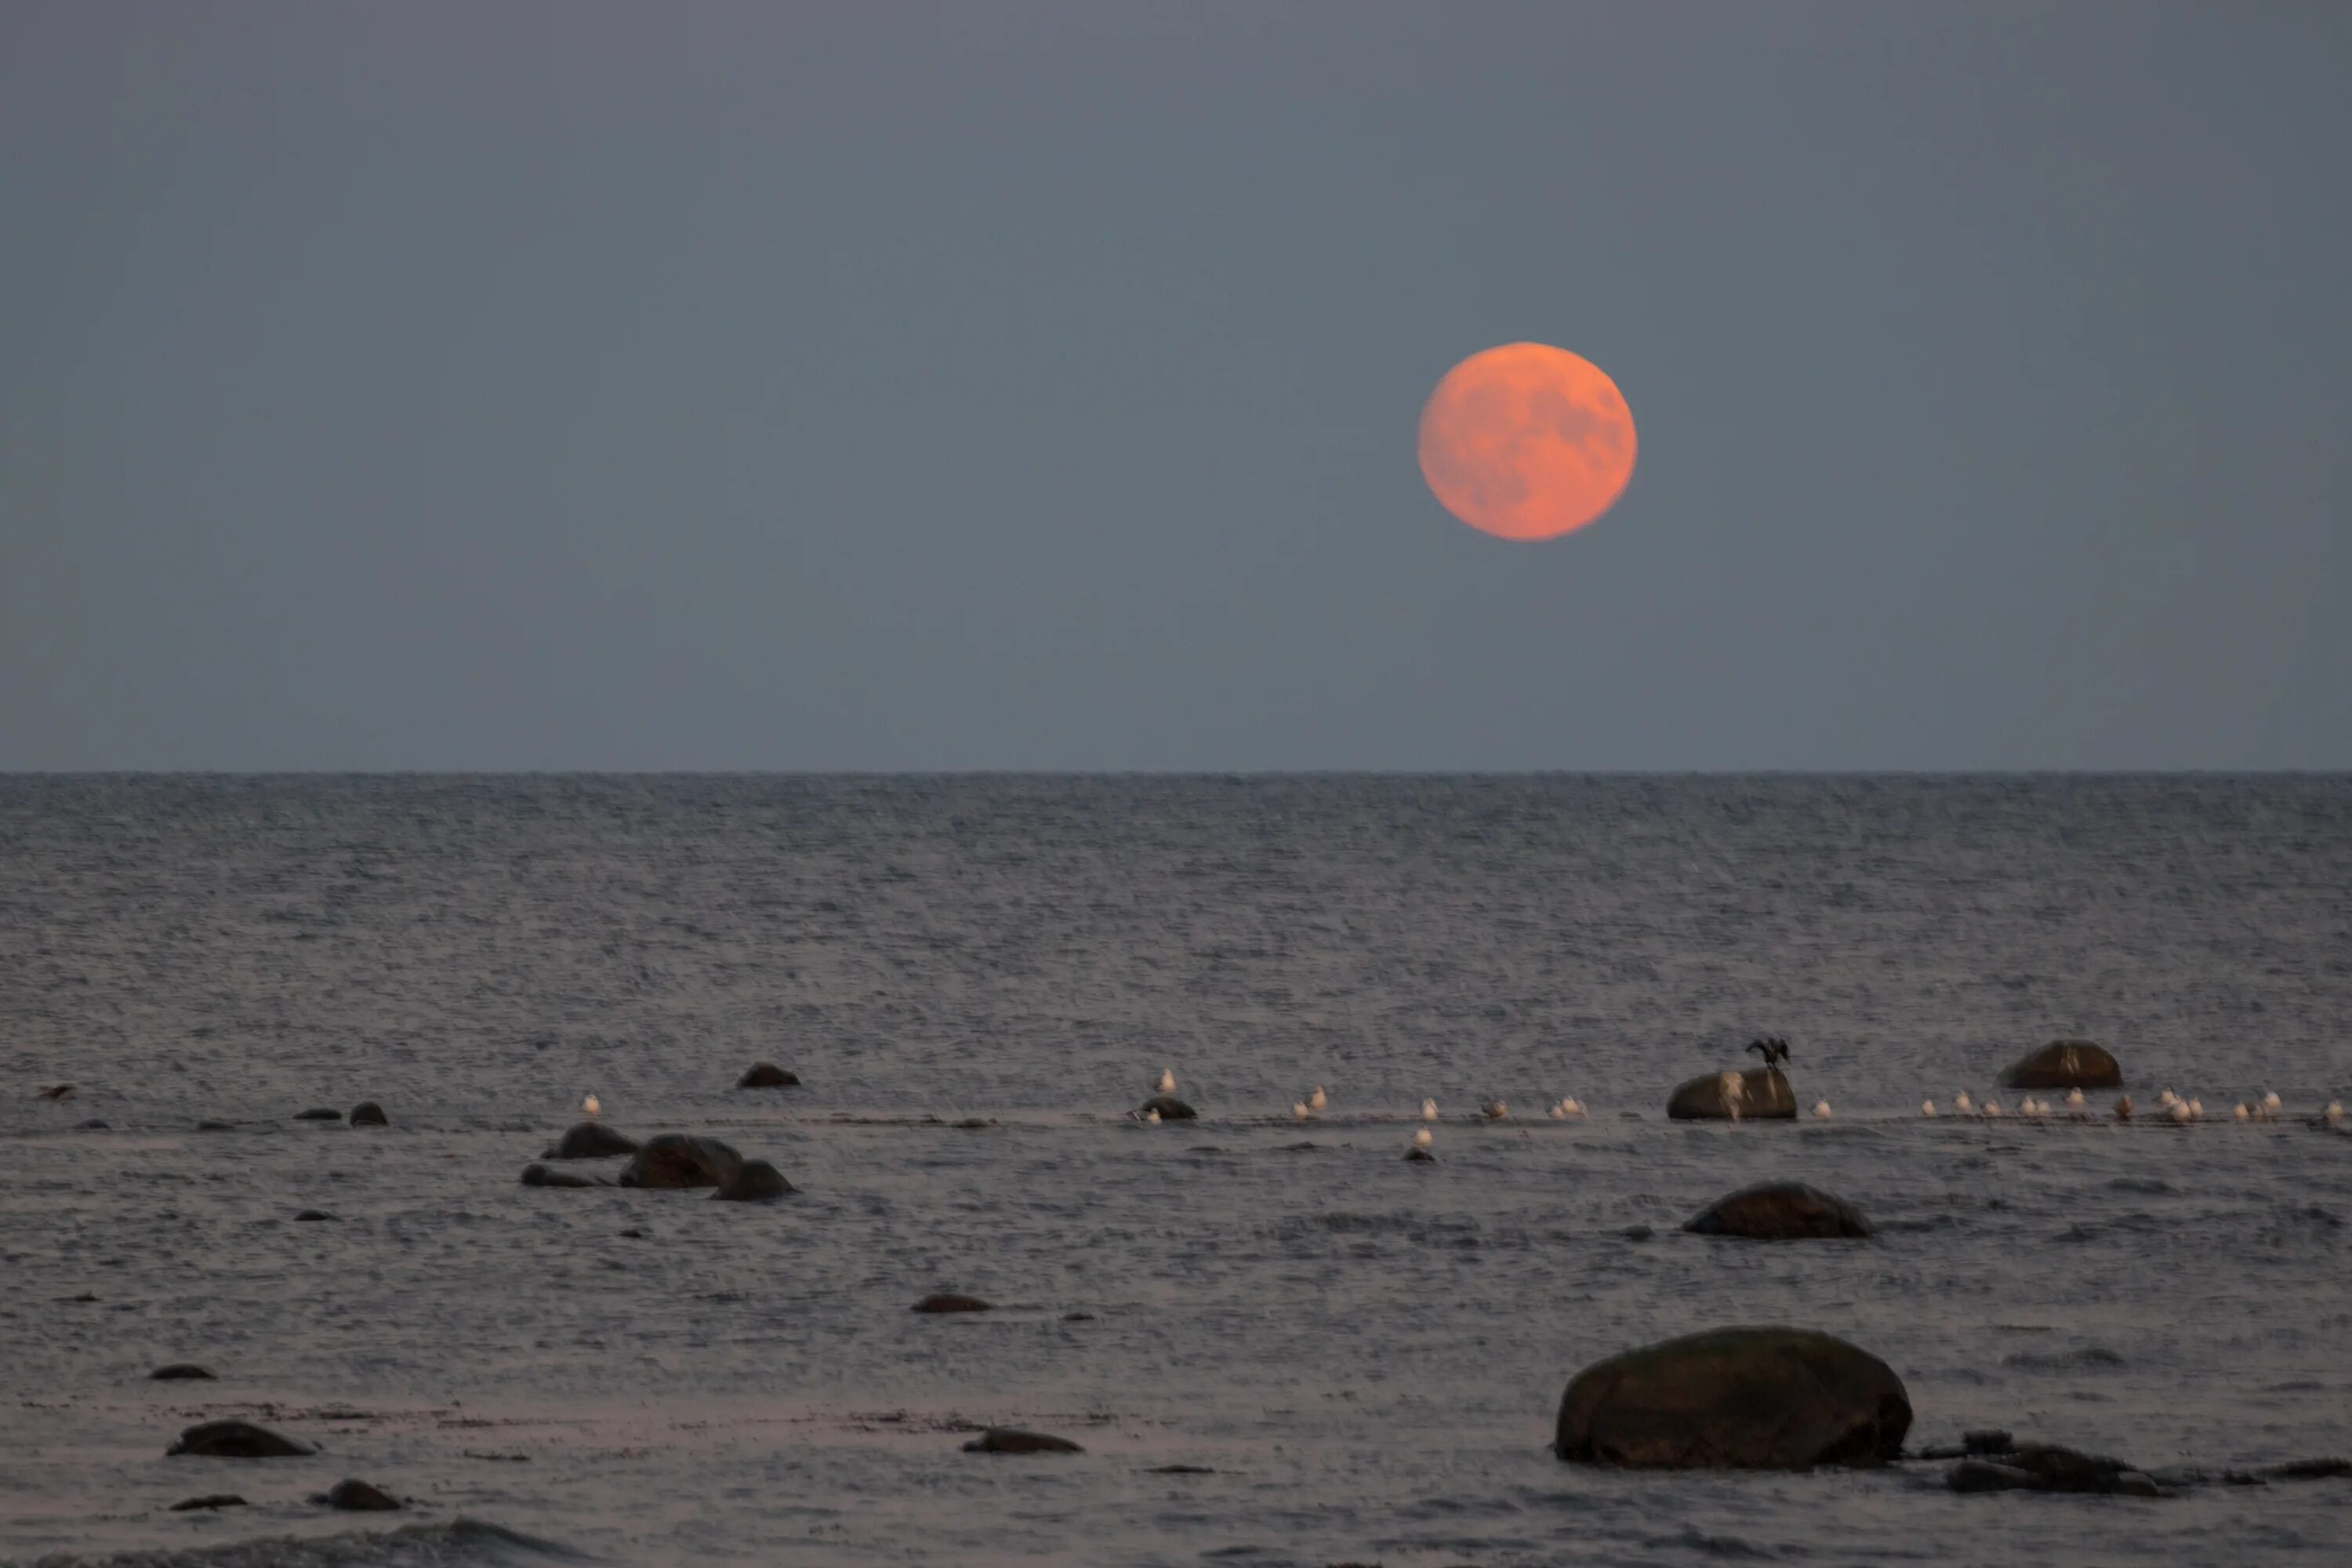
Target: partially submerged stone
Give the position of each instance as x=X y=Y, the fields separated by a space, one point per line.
x=1780 y=1211
x=949 y=1301
x=1012 y=1440
x=1169 y=1108
x=590 y=1141
x=180 y=1371
x=357 y=1496
x=237 y=1440
x=1764 y=1096
x=679 y=1160
x=753 y=1182
x=2065 y=1064
x=1739 y=1398
x=368 y=1113
x=767 y=1075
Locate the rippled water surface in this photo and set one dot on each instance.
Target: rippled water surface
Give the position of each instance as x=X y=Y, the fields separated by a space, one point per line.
x=1362 y=1355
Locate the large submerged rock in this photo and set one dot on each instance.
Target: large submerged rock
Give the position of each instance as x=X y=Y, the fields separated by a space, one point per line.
x=753 y=1182
x=1765 y=1096
x=1169 y=1108
x=2066 y=1064
x=1012 y=1440
x=590 y=1141
x=1780 y=1211
x=680 y=1160
x=1741 y=1398
x=2046 y=1468
x=237 y=1440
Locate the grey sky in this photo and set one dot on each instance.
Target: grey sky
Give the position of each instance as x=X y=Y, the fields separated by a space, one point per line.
x=1033 y=385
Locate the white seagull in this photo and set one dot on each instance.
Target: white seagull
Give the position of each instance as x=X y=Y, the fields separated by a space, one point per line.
x=591 y=1105
x=2334 y=1112
x=1558 y=1112
x=1572 y=1105
x=1927 y=1108
x=2178 y=1111
x=1298 y=1112
x=1167 y=1082
x=1152 y=1114
x=1821 y=1110
x=1429 y=1111
x=2073 y=1099
x=1493 y=1111
x=1961 y=1105
x=2271 y=1101
x=2242 y=1113
x=1316 y=1100
x=1420 y=1138
x=1993 y=1107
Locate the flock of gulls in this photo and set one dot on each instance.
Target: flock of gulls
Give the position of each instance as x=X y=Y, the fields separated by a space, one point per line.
x=1567 y=1107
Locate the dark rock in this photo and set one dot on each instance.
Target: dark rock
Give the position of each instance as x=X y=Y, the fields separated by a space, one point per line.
x=1420 y=1154
x=57 y=1092
x=1987 y=1440
x=1779 y=1211
x=1637 y=1233
x=1077 y=1317
x=212 y=1499
x=1010 y=1440
x=1171 y=1109
x=677 y=1159
x=1179 y=1470
x=357 y=1496
x=753 y=1182
x=2311 y=1470
x=948 y=1302
x=94 y=1125
x=313 y=1215
x=634 y=1234
x=767 y=1075
x=216 y=1127
x=1741 y=1398
x=1765 y=1096
x=237 y=1440
x=972 y=1124
x=368 y=1113
x=591 y=1140
x=2046 y=1468
x=180 y=1370
x=321 y=1114
x=2065 y=1064
x=541 y=1177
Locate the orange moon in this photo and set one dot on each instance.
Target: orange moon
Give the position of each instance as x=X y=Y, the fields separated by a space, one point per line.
x=1527 y=441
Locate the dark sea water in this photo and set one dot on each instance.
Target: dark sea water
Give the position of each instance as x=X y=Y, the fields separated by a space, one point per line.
x=1365 y=1355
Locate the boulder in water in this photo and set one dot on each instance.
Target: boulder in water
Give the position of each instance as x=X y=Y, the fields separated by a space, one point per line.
x=180 y=1370
x=312 y=1215
x=767 y=1075
x=536 y=1175
x=670 y=1159
x=237 y=1440
x=1741 y=1398
x=2066 y=1064
x=1765 y=1096
x=1012 y=1440
x=1171 y=1109
x=1780 y=1211
x=210 y=1499
x=591 y=1140
x=368 y=1113
x=949 y=1301
x=753 y=1182
x=357 y=1496
x=321 y=1114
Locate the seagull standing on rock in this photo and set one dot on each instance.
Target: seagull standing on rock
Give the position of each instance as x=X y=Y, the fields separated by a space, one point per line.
x=1420 y=1138
x=591 y=1105
x=1961 y=1105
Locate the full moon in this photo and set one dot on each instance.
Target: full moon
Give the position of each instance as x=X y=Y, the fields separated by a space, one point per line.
x=1527 y=441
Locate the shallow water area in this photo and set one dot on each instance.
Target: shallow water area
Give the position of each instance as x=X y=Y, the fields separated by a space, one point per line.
x=1359 y=1357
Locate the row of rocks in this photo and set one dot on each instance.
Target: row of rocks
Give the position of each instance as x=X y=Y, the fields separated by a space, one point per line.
x=1762 y=1094
x=244 y=1440
x=366 y=1113
x=667 y=1161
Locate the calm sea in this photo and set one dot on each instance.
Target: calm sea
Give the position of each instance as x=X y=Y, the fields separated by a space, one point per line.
x=1362 y=1357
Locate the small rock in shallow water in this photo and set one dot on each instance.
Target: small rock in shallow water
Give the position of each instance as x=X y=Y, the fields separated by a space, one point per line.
x=94 y=1125
x=1011 y=1440
x=2046 y=1468
x=321 y=1114
x=949 y=1301
x=541 y=1177
x=591 y=1140
x=1180 y=1471
x=767 y=1075
x=216 y=1127
x=368 y=1113
x=1169 y=1108
x=237 y=1440
x=57 y=1092
x=1637 y=1233
x=314 y=1214
x=1779 y=1211
x=1077 y=1317
x=214 y=1499
x=180 y=1370
x=357 y=1496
